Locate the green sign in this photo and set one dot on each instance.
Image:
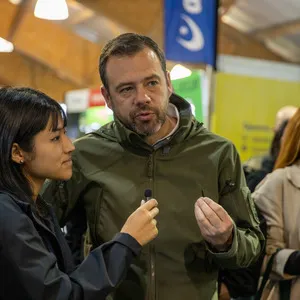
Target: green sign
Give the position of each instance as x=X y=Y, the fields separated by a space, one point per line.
x=189 y=88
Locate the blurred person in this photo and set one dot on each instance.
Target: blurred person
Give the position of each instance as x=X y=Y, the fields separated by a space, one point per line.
x=155 y=142
x=255 y=177
x=284 y=114
x=35 y=261
x=277 y=198
x=264 y=162
x=242 y=284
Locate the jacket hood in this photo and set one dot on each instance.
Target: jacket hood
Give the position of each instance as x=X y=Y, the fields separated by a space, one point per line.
x=188 y=126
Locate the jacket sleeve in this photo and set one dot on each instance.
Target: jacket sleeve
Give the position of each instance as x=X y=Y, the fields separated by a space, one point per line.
x=235 y=198
x=33 y=269
x=269 y=200
x=292 y=265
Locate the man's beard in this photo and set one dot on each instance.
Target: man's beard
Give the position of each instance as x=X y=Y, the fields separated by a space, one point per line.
x=146 y=128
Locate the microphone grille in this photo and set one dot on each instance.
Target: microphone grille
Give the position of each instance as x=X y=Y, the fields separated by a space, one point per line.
x=148 y=193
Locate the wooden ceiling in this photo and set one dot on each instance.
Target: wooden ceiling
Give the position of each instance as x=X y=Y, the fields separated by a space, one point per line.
x=59 y=56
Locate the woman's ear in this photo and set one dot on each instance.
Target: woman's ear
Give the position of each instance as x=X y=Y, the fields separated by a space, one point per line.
x=17 y=154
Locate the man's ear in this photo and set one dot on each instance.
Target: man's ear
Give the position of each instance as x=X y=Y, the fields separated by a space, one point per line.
x=106 y=96
x=169 y=83
x=17 y=154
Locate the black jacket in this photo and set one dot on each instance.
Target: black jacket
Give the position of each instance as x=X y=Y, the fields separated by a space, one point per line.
x=255 y=177
x=36 y=263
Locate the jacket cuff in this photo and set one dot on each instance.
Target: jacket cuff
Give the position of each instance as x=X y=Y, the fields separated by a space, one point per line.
x=292 y=265
x=232 y=251
x=128 y=241
x=280 y=260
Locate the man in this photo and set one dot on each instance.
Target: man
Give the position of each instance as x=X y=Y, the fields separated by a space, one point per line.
x=155 y=143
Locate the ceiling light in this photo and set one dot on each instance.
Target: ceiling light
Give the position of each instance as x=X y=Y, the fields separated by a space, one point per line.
x=6 y=46
x=179 y=72
x=15 y=2
x=51 y=9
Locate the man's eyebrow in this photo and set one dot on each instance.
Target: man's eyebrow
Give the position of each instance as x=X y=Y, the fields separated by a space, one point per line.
x=123 y=84
x=120 y=85
x=153 y=76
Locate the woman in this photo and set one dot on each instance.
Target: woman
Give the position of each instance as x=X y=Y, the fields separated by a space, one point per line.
x=278 y=199
x=35 y=261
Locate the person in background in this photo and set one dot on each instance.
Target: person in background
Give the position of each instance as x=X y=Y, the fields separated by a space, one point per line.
x=277 y=198
x=255 y=177
x=35 y=261
x=245 y=281
x=266 y=163
x=284 y=114
x=207 y=218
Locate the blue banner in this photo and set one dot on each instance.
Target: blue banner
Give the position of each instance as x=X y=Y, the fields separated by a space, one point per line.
x=191 y=30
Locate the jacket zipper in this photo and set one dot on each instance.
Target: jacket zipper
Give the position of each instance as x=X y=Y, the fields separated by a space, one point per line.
x=151 y=294
x=152 y=272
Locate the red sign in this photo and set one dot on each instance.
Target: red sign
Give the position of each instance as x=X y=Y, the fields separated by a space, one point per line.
x=96 y=98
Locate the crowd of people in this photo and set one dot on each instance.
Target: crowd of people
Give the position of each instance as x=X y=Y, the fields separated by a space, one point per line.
x=197 y=216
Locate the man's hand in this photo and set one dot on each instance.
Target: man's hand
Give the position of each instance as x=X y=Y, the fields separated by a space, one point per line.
x=215 y=224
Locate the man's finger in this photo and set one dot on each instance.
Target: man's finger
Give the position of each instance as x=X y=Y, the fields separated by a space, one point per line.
x=150 y=204
x=218 y=209
x=202 y=221
x=154 y=212
x=209 y=213
x=154 y=222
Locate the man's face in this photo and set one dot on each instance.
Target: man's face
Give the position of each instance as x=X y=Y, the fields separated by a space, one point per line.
x=139 y=91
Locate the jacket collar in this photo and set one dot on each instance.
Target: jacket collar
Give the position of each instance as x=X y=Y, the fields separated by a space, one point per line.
x=293 y=174
x=130 y=139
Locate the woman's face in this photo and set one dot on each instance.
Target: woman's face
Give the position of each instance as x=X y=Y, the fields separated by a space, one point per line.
x=51 y=155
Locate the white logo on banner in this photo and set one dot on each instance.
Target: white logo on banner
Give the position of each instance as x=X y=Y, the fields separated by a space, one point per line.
x=192 y=6
x=197 y=42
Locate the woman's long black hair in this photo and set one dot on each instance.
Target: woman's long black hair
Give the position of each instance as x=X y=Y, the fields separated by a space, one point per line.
x=24 y=112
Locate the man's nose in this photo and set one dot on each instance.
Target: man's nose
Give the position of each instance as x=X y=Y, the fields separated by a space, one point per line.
x=142 y=96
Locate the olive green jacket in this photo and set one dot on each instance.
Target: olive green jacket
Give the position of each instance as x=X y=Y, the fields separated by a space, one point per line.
x=112 y=168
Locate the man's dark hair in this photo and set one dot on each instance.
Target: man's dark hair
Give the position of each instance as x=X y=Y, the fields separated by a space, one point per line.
x=24 y=112
x=127 y=44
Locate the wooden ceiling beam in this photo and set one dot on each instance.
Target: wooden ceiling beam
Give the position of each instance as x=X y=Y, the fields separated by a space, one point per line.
x=7 y=14
x=136 y=15
x=19 y=70
x=80 y=17
x=225 y=6
x=70 y=56
x=17 y=19
x=291 y=27
x=233 y=42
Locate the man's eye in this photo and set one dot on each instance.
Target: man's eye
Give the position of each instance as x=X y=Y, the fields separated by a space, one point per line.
x=126 y=90
x=153 y=83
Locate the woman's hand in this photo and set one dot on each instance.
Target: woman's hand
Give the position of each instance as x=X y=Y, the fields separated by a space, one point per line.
x=141 y=223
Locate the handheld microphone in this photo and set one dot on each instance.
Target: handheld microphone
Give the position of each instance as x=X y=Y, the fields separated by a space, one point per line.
x=148 y=194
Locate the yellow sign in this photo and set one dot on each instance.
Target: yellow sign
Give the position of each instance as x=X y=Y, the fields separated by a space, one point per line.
x=245 y=109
